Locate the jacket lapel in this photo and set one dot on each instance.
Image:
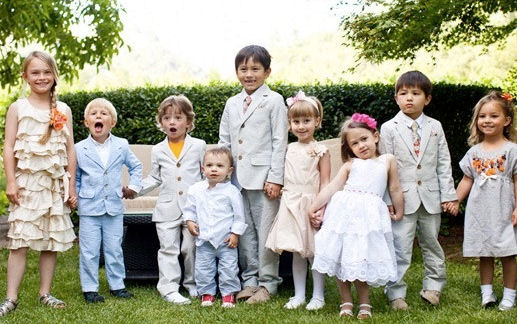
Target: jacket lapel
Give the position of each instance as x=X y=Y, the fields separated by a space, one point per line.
x=405 y=133
x=186 y=146
x=90 y=151
x=115 y=151
x=426 y=134
x=166 y=149
x=259 y=97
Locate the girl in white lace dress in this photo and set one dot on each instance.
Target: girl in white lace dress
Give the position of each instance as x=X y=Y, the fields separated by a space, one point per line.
x=355 y=242
x=490 y=172
x=39 y=163
x=307 y=169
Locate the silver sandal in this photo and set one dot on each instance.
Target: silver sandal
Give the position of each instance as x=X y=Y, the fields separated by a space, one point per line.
x=364 y=313
x=345 y=311
x=7 y=306
x=51 y=301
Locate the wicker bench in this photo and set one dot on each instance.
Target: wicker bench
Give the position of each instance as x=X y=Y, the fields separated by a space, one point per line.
x=140 y=243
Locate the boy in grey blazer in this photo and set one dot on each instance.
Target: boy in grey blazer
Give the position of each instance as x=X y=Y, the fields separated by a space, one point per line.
x=175 y=165
x=424 y=166
x=254 y=127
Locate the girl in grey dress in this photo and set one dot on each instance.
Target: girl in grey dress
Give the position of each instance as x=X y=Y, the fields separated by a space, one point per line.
x=490 y=170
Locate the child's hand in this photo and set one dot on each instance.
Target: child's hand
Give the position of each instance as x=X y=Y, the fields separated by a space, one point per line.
x=451 y=207
x=514 y=217
x=232 y=240
x=12 y=193
x=193 y=228
x=72 y=198
x=128 y=193
x=272 y=190
x=316 y=218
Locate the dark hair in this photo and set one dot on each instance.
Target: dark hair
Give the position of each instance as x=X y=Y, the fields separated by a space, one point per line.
x=414 y=79
x=507 y=106
x=255 y=52
x=219 y=150
x=346 y=151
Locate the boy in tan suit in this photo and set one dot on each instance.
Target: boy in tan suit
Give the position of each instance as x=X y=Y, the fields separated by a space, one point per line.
x=254 y=127
x=425 y=173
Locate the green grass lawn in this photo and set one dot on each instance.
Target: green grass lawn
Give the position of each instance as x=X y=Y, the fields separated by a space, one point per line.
x=460 y=301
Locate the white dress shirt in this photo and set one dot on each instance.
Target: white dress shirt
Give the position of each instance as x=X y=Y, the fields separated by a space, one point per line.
x=218 y=211
x=409 y=121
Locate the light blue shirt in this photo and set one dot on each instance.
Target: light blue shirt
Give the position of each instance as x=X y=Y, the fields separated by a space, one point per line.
x=218 y=211
x=409 y=121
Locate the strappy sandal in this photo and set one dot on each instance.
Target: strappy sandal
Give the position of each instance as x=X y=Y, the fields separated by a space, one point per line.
x=7 y=306
x=51 y=301
x=345 y=311
x=364 y=313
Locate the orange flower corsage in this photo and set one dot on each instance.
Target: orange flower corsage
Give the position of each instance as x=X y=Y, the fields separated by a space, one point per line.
x=57 y=119
x=506 y=96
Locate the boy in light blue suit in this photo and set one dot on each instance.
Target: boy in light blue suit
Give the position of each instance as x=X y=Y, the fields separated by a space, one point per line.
x=254 y=127
x=99 y=174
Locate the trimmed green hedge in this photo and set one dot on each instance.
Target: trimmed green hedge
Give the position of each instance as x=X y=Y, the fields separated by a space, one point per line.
x=451 y=104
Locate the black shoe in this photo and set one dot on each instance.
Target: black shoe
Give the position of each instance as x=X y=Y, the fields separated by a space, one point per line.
x=121 y=293
x=93 y=297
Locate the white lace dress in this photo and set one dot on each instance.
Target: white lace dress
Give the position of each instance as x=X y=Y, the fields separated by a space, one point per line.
x=355 y=241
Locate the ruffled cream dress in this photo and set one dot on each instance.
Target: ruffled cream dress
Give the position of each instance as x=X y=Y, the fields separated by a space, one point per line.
x=42 y=220
x=291 y=230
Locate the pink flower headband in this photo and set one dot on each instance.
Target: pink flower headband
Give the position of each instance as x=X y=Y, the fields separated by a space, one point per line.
x=301 y=96
x=364 y=118
x=506 y=96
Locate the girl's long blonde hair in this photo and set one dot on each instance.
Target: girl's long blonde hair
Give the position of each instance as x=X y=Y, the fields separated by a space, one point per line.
x=506 y=104
x=49 y=60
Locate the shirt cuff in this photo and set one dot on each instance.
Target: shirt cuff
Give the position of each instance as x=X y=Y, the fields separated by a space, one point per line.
x=239 y=228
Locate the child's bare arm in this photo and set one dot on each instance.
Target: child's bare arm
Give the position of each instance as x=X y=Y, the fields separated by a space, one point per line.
x=232 y=240
x=396 y=195
x=326 y=193
x=514 y=214
x=462 y=192
x=11 y=128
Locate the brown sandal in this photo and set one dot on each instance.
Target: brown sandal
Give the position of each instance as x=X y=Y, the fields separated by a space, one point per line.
x=51 y=301
x=7 y=306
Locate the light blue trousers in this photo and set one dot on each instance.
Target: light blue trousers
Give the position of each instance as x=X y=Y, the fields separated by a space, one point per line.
x=222 y=260
x=92 y=231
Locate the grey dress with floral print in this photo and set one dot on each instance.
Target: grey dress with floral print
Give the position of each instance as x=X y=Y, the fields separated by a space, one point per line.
x=488 y=216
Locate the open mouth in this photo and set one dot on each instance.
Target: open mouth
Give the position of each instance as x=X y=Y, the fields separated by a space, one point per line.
x=172 y=129
x=98 y=126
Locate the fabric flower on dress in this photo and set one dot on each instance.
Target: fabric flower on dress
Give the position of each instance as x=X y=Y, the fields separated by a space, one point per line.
x=364 y=118
x=57 y=119
x=316 y=150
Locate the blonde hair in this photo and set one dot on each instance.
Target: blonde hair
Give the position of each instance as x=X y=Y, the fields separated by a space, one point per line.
x=507 y=106
x=178 y=103
x=51 y=63
x=101 y=103
x=346 y=151
x=305 y=108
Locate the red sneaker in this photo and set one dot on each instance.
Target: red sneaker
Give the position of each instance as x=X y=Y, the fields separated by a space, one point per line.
x=228 y=301
x=207 y=300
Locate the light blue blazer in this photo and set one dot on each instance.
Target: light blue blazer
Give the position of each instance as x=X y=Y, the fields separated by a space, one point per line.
x=100 y=188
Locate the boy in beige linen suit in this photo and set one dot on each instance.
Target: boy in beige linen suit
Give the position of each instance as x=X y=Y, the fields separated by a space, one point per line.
x=424 y=166
x=175 y=166
x=254 y=127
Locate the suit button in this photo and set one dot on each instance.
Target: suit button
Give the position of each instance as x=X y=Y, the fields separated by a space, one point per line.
x=180 y=192
x=178 y=164
x=240 y=157
x=419 y=182
x=242 y=126
x=179 y=178
x=105 y=197
x=105 y=185
x=419 y=167
x=240 y=141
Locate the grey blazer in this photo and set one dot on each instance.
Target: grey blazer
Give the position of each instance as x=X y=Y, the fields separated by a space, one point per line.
x=174 y=176
x=257 y=139
x=426 y=178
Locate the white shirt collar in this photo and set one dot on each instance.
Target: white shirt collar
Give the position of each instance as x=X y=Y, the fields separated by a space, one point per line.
x=409 y=121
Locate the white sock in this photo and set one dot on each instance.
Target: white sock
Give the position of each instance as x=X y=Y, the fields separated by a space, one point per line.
x=318 y=284
x=508 y=296
x=299 y=275
x=486 y=290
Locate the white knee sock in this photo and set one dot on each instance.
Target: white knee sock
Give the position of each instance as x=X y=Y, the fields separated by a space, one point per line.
x=318 y=284
x=508 y=296
x=299 y=275
x=486 y=290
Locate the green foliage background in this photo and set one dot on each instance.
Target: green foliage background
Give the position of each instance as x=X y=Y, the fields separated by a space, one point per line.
x=451 y=104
